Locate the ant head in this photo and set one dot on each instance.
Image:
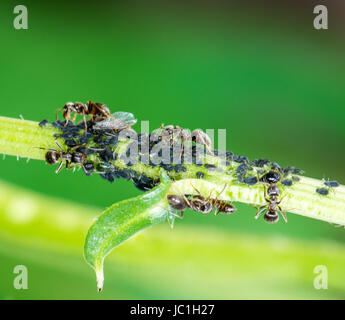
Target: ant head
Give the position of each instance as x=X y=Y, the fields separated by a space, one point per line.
x=271 y=177
x=52 y=157
x=198 y=136
x=68 y=105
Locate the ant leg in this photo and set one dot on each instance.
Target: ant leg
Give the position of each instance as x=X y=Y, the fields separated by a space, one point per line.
x=259 y=213
x=209 y=149
x=68 y=116
x=222 y=191
x=209 y=196
x=187 y=201
x=56 y=113
x=84 y=169
x=84 y=119
x=58 y=145
x=48 y=149
x=281 y=198
x=195 y=189
x=67 y=166
x=283 y=215
x=200 y=193
x=176 y=215
x=75 y=117
x=80 y=145
x=205 y=144
x=182 y=147
x=265 y=194
x=102 y=111
x=59 y=167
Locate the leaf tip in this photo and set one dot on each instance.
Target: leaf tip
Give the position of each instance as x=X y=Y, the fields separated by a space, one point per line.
x=99 y=279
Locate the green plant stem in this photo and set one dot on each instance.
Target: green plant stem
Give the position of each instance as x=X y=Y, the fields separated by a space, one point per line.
x=25 y=138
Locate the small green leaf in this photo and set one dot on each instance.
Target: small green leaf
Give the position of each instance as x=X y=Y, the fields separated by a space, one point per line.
x=121 y=221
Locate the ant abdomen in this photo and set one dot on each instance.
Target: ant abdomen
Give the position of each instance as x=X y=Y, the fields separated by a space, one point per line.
x=271 y=217
x=177 y=202
x=52 y=157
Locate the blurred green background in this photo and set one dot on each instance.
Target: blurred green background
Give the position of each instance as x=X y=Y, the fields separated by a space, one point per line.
x=261 y=71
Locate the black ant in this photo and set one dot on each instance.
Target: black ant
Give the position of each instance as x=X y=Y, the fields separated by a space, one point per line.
x=272 y=207
x=172 y=133
x=207 y=205
x=54 y=156
x=196 y=203
x=97 y=111
x=200 y=204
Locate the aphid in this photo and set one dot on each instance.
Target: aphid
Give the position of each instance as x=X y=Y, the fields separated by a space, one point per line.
x=242 y=168
x=43 y=123
x=331 y=184
x=243 y=159
x=200 y=175
x=98 y=139
x=229 y=155
x=143 y=182
x=240 y=176
x=85 y=137
x=287 y=182
x=53 y=156
x=276 y=166
x=107 y=154
x=250 y=181
x=71 y=143
x=262 y=162
x=67 y=135
x=254 y=163
x=287 y=170
x=117 y=121
x=105 y=167
x=272 y=207
x=297 y=171
x=124 y=173
x=57 y=125
x=112 y=141
x=322 y=191
x=97 y=111
x=108 y=176
x=180 y=168
x=167 y=167
x=89 y=166
x=210 y=167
